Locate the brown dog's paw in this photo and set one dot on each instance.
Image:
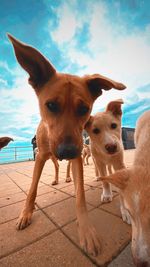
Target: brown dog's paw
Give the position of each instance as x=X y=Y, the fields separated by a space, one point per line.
x=54 y=182
x=68 y=180
x=24 y=221
x=89 y=240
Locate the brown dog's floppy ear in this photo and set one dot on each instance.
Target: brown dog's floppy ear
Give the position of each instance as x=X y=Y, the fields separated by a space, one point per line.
x=97 y=82
x=115 y=107
x=119 y=178
x=39 y=68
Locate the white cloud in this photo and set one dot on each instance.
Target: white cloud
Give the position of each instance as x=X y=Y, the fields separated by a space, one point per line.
x=111 y=51
x=3 y=82
x=20 y=105
x=66 y=25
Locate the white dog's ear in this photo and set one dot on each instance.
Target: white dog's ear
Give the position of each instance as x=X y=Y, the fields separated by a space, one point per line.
x=115 y=107
x=38 y=67
x=119 y=178
x=88 y=123
x=97 y=82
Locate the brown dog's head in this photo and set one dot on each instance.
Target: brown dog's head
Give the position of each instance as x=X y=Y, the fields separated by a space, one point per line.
x=65 y=100
x=104 y=129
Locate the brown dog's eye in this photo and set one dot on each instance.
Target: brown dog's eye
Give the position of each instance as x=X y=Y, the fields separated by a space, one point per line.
x=96 y=131
x=82 y=110
x=53 y=106
x=113 y=126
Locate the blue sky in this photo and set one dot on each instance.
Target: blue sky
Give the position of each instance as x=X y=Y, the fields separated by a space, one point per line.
x=109 y=37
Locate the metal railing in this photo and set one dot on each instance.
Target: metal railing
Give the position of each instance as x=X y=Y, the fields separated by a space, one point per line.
x=16 y=154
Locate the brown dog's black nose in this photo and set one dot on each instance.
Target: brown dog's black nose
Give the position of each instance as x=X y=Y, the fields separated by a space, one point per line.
x=111 y=148
x=67 y=151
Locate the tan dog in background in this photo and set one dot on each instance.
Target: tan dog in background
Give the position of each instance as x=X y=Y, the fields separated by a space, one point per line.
x=104 y=129
x=134 y=185
x=65 y=103
x=86 y=154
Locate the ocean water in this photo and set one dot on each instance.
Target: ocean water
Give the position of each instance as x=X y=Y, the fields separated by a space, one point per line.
x=16 y=151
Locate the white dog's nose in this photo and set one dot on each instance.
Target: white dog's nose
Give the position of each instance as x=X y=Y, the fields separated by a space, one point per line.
x=111 y=148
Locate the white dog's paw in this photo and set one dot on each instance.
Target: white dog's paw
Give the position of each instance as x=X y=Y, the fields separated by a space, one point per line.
x=106 y=197
x=125 y=215
x=89 y=240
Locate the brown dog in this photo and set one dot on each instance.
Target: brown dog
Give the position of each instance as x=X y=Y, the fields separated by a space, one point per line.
x=4 y=141
x=65 y=103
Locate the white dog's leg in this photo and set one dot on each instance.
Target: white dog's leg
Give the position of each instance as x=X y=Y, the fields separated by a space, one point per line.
x=107 y=192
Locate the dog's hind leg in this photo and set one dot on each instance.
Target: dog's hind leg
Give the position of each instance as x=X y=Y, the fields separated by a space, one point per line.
x=87 y=234
x=68 y=177
x=26 y=214
x=56 y=165
x=87 y=159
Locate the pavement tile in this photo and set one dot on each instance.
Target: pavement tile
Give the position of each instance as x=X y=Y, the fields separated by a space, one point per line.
x=93 y=182
x=124 y=259
x=71 y=189
x=43 y=189
x=112 y=207
x=10 y=212
x=113 y=233
x=53 y=250
x=64 y=211
x=12 y=198
x=9 y=191
x=93 y=196
x=50 y=198
x=11 y=239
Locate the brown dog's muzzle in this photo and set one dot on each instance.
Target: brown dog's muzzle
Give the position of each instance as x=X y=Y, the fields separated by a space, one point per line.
x=67 y=151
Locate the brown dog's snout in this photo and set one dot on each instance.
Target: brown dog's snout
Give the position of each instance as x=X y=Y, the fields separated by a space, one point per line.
x=111 y=148
x=67 y=151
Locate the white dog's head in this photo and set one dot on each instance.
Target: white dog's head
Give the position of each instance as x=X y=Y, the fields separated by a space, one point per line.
x=104 y=129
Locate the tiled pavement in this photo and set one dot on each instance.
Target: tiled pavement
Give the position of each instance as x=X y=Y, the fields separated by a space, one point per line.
x=51 y=240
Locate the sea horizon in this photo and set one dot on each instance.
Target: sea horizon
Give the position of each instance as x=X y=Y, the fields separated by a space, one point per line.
x=16 y=151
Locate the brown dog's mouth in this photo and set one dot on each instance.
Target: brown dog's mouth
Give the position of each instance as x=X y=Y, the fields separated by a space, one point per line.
x=67 y=151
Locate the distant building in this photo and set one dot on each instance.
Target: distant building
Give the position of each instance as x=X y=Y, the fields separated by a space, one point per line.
x=128 y=137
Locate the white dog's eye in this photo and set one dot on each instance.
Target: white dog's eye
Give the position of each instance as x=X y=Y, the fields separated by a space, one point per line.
x=113 y=125
x=96 y=131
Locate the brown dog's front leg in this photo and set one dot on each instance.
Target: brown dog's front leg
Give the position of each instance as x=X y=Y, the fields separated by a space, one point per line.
x=26 y=214
x=87 y=234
